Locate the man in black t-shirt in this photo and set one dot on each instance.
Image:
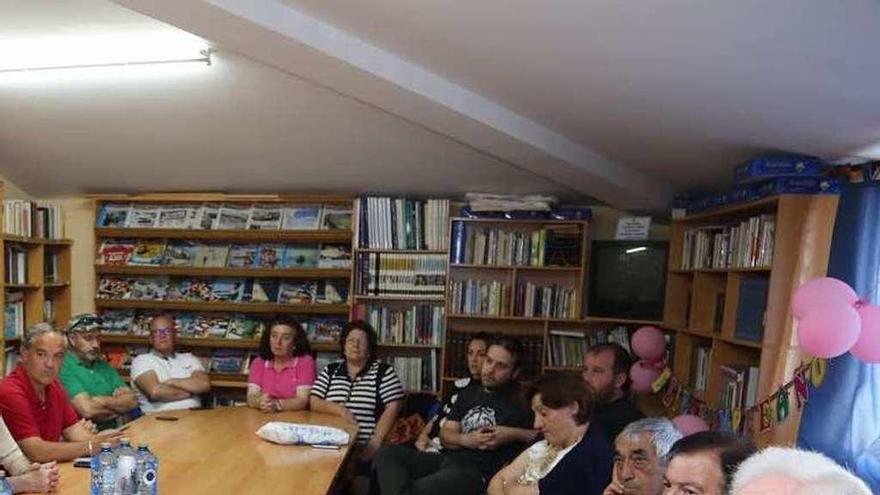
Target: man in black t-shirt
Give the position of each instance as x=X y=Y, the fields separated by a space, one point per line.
x=487 y=427
x=606 y=370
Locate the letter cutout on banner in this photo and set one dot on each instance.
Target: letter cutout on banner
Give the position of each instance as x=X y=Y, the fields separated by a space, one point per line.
x=801 y=392
x=766 y=416
x=783 y=406
x=685 y=402
x=673 y=390
x=736 y=417
x=818 y=369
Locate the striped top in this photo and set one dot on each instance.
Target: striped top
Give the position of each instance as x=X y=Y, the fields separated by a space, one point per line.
x=361 y=396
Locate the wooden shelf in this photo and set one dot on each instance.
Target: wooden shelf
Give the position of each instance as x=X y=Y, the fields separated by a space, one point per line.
x=733 y=210
x=230 y=307
x=574 y=321
x=517 y=267
x=55 y=285
x=184 y=341
x=401 y=251
x=35 y=240
x=22 y=286
x=740 y=342
x=335 y=236
x=218 y=380
x=515 y=221
x=193 y=271
x=220 y=197
x=401 y=298
x=755 y=269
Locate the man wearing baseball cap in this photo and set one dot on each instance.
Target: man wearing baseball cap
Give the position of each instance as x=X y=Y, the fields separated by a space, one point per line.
x=94 y=387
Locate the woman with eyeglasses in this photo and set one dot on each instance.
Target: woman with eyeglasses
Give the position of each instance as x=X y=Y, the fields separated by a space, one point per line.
x=363 y=391
x=573 y=458
x=281 y=378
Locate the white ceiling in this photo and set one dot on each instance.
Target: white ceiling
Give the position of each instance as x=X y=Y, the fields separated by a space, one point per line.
x=626 y=102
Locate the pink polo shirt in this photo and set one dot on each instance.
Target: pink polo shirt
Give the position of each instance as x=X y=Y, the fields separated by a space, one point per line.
x=298 y=372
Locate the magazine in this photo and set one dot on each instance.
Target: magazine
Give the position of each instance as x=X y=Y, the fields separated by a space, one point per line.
x=300 y=256
x=211 y=255
x=207 y=217
x=242 y=256
x=180 y=253
x=147 y=252
x=265 y=217
x=173 y=217
x=149 y=288
x=297 y=293
x=270 y=256
x=110 y=287
x=335 y=256
x=336 y=218
x=187 y=324
x=331 y=292
x=261 y=290
x=190 y=289
x=143 y=216
x=233 y=217
x=228 y=289
x=301 y=217
x=325 y=329
x=242 y=327
x=113 y=215
x=117 y=320
x=115 y=252
x=211 y=325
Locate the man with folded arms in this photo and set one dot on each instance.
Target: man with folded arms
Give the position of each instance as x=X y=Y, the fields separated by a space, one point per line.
x=94 y=387
x=36 y=408
x=164 y=379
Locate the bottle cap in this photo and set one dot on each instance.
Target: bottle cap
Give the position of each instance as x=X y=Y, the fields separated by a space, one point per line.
x=106 y=445
x=125 y=440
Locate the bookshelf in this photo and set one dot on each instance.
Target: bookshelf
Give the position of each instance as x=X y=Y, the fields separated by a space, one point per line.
x=270 y=249
x=36 y=272
x=399 y=282
x=725 y=313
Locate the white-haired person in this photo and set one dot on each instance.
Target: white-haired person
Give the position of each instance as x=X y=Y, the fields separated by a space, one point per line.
x=640 y=452
x=790 y=471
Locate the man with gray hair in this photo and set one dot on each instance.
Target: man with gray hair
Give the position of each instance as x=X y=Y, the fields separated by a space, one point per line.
x=640 y=457
x=790 y=471
x=36 y=408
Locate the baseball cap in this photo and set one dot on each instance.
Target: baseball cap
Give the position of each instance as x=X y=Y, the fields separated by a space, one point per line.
x=85 y=322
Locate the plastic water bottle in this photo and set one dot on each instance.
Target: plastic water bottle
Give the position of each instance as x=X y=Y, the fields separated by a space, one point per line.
x=147 y=471
x=5 y=489
x=126 y=469
x=104 y=471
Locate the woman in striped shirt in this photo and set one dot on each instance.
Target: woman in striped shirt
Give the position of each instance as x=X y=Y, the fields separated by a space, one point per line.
x=363 y=391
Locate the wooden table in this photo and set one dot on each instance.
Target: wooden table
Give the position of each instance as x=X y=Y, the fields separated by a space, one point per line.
x=217 y=451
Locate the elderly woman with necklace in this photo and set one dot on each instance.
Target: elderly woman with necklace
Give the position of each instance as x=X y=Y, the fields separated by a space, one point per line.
x=573 y=458
x=281 y=377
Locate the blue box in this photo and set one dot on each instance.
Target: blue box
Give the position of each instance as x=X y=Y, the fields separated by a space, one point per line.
x=767 y=166
x=799 y=185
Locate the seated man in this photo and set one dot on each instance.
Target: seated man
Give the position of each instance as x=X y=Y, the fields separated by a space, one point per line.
x=95 y=389
x=640 y=457
x=789 y=471
x=703 y=463
x=429 y=438
x=164 y=379
x=35 y=407
x=488 y=426
x=606 y=370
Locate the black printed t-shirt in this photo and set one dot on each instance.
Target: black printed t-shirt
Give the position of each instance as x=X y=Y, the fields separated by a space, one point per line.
x=478 y=408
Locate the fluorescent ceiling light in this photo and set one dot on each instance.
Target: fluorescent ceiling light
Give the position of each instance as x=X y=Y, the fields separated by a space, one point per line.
x=31 y=54
x=636 y=249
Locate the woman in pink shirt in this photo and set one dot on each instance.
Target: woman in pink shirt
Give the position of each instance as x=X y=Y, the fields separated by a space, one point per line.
x=281 y=378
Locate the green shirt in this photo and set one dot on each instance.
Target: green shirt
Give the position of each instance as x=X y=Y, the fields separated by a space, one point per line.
x=97 y=380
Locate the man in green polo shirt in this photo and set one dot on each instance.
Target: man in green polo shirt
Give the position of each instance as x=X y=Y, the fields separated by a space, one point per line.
x=95 y=389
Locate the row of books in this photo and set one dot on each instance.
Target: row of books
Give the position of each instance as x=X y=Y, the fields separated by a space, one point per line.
x=567 y=348
x=552 y=245
x=413 y=324
x=223 y=289
x=215 y=325
x=702 y=356
x=479 y=297
x=13 y=315
x=32 y=219
x=739 y=386
x=416 y=373
x=159 y=252
x=551 y=301
x=401 y=274
x=398 y=223
x=225 y=216
x=746 y=244
x=16 y=264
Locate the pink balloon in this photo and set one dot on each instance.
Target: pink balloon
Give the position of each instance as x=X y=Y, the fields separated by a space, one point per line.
x=688 y=424
x=830 y=330
x=821 y=291
x=648 y=343
x=642 y=375
x=867 y=346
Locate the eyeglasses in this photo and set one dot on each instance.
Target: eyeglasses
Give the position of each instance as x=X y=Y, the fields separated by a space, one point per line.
x=164 y=331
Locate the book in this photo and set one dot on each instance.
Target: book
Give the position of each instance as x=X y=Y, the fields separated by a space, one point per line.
x=297 y=292
x=211 y=255
x=115 y=252
x=750 y=309
x=300 y=256
x=228 y=289
x=265 y=217
x=233 y=217
x=149 y=288
x=207 y=217
x=334 y=256
x=147 y=252
x=13 y=313
x=143 y=216
x=301 y=217
x=173 y=217
x=336 y=218
x=114 y=216
x=110 y=287
x=180 y=253
x=270 y=256
x=242 y=256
